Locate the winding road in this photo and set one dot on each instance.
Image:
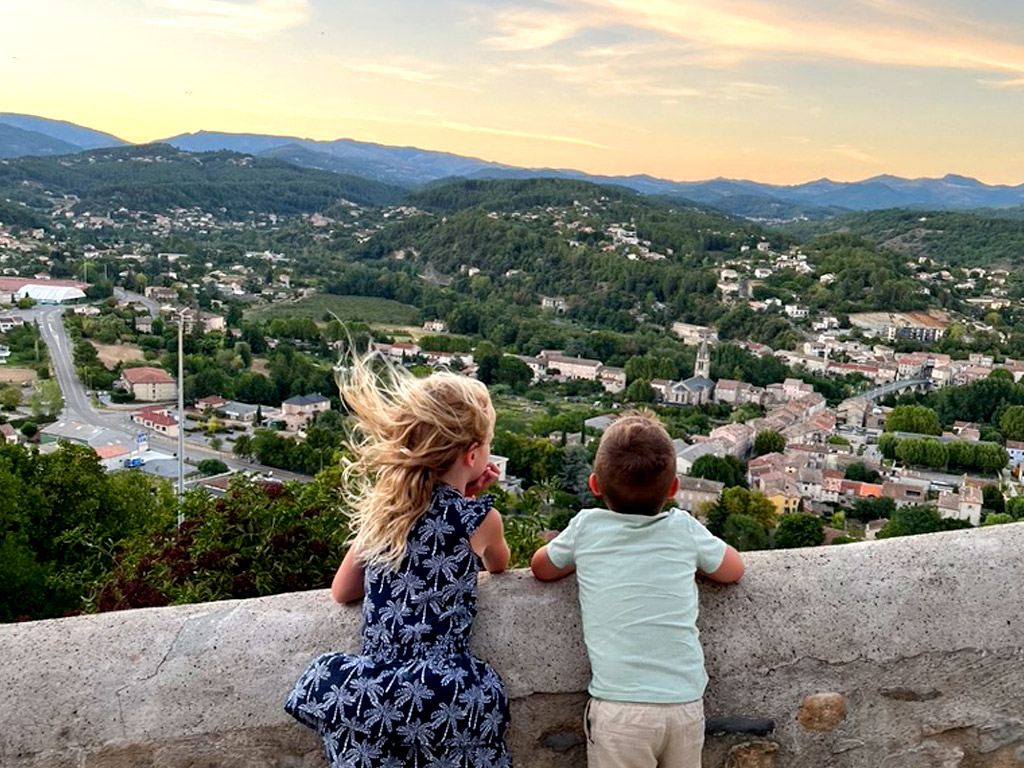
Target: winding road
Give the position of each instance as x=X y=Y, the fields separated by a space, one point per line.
x=78 y=403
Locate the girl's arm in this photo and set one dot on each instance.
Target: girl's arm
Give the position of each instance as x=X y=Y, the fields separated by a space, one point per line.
x=347 y=586
x=488 y=541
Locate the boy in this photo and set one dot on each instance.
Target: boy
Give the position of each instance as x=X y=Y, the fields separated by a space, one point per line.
x=638 y=596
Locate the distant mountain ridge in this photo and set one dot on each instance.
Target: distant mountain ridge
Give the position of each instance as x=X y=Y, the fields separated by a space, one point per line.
x=414 y=167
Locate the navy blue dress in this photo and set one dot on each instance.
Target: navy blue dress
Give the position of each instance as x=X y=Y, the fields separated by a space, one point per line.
x=415 y=697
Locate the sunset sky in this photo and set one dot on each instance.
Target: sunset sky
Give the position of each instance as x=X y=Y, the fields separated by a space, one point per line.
x=773 y=90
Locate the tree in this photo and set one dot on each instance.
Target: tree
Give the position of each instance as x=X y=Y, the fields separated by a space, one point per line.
x=243 y=447
x=10 y=397
x=46 y=400
x=488 y=358
x=996 y=518
x=29 y=429
x=769 y=441
x=912 y=521
x=859 y=472
x=993 y=499
x=212 y=467
x=913 y=418
x=869 y=509
x=744 y=533
x=1011 y=423
x=723 y=469
x=799 y=530
x=640 y=391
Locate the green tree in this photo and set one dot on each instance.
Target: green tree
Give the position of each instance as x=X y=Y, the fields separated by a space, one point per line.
x=46 y=399
x=1011 y=423
x=10 y=397
x=868 y=509
x=859 y=472
x=640 y=391
x=799 y=530
x=997 y=518
x=769 y=441
x=913 y=418
x=723 y=469
x=912 y=521
x=29 y=429
x=744 y=533
x=993 y=499
x=212 y=467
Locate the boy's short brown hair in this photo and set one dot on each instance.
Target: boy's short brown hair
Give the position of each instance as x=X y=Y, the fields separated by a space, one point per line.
x=635 y=464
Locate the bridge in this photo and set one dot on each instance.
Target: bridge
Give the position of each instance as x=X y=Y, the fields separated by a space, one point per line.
x=895 y=387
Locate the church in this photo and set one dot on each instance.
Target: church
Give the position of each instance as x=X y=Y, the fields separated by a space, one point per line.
x=699 y=388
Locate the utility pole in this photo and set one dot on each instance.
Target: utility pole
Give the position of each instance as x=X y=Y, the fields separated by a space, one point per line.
x=181 y=418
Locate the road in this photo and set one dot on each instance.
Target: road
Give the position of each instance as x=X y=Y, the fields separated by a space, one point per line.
x=78 y=403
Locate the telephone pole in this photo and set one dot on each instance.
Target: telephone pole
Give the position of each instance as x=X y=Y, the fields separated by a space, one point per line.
x=181 y=417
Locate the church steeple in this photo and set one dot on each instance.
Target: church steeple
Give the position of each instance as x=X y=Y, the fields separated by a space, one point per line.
x=703 y=364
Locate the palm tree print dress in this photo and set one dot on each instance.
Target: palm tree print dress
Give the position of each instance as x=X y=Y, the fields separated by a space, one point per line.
x=415 y=697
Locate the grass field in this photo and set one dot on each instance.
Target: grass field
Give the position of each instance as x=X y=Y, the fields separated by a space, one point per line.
x=366 y=309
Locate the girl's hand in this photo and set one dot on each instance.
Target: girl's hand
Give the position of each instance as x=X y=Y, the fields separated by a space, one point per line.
x=488 y=476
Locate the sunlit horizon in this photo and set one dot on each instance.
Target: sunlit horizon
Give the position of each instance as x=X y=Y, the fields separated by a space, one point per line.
x=783 y=92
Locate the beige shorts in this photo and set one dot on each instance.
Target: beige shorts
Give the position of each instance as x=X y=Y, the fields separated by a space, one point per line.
x=624 y=734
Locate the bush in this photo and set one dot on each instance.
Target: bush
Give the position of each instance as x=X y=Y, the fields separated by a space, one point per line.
x=212 y=467
x=799 y=530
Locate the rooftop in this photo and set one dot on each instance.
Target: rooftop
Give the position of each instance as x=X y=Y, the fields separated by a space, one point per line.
x=146 y=376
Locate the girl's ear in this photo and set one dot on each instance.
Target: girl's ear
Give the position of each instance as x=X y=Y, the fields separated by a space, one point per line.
x=592 y=482
x=469 y=456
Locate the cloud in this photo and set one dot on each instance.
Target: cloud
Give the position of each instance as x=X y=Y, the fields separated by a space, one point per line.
x=253 y=19
x=852 y=153
x=1017 y=82
x=603 y=78
x=467 y=128
x=524 y=29
x=885 y=32
x=389 y=70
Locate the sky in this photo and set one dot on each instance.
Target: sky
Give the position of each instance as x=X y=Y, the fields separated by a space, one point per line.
x=780 y=91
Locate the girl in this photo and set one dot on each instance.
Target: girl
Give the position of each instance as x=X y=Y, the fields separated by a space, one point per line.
x=415 y=696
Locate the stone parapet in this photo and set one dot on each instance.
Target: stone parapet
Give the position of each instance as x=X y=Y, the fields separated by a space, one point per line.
x=903 y=653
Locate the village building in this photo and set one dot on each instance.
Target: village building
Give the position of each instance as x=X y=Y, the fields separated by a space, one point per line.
x=148 y=384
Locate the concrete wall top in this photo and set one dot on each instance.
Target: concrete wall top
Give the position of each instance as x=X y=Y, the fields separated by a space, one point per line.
x=913 y=614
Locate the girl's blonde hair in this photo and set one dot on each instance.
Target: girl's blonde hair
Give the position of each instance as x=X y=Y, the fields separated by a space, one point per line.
x=409 y=431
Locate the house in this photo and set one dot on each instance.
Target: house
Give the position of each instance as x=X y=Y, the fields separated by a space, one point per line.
x=148 y=384
x=161 y=293
x=159 y=420
x=435 y=326
x=571 y=367
x=144 y=324
x=696 y=491
x=211 y=402
x=965 y=505
x=906 y=491
x=556 y=303
x=1015 y=449
x=686 y=458
x=10 y=436
x=694 y=334
x=298 y=411
x=612 y=379
x=9 y=322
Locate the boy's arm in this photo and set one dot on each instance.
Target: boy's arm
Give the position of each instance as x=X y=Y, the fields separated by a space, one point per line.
x=347 y=586
x=545 y=570
x=731 y=568
x=488 y=541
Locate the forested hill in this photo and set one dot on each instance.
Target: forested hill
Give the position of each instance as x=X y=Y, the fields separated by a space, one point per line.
x=157 y=177
x=953 y=237
x=509 y=195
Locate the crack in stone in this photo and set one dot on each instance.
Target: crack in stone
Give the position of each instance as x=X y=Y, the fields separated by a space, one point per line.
x=120 y=691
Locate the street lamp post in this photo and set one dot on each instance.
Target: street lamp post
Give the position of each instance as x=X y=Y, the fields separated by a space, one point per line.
x=181 y=418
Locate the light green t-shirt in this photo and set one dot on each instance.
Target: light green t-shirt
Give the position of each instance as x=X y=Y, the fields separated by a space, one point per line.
x=638 y=597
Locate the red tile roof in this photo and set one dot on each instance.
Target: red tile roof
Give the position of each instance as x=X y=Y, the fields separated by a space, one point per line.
x=146 y=376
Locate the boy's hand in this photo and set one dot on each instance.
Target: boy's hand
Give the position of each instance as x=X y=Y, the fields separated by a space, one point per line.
x=488 y=476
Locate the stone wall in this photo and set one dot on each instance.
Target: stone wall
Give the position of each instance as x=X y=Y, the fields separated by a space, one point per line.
x=901 y=654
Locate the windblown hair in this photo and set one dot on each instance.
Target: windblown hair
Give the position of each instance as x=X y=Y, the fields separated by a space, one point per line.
x=409 y=431
x=635 y=464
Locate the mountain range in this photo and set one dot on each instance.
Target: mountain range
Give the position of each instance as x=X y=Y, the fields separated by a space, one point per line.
x=411 y=167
